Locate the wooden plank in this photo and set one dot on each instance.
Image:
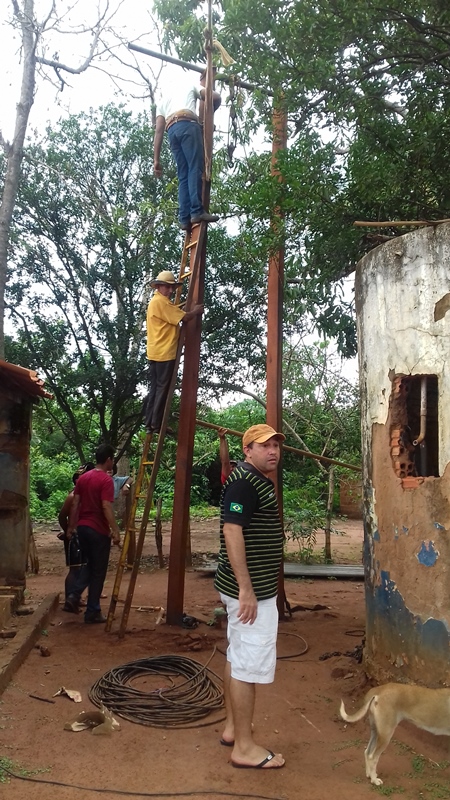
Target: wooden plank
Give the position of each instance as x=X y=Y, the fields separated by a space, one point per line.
x=355 y=571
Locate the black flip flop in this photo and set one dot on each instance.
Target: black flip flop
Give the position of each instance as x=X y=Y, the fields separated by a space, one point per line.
x=257 y=766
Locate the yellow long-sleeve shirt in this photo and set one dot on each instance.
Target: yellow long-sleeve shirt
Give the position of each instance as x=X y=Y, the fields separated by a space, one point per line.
x=163 y=328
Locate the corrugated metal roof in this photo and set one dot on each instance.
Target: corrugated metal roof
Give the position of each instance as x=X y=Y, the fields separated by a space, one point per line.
x=27 y=380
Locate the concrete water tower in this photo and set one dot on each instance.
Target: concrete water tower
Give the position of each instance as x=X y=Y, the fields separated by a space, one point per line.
x=403 y=315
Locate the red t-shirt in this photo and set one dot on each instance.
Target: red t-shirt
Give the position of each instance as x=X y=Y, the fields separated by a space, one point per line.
x=92 y=487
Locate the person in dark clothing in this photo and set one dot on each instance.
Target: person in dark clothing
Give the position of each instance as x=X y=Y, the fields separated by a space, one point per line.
x=92 y=513
x=77 y=574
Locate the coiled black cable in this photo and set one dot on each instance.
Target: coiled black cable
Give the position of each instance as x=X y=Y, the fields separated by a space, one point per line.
x=179 y=705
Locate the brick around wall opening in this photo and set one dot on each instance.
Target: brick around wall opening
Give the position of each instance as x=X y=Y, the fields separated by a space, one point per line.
x=409 y=461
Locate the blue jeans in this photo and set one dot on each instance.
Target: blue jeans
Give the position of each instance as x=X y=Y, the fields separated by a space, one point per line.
x=186 y=143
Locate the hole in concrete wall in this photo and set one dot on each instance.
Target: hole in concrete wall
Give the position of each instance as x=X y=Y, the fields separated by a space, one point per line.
x=441 y=307
x=414 y=426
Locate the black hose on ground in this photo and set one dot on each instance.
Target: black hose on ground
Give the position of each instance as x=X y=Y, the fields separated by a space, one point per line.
x=127 y=793
x=194 y=691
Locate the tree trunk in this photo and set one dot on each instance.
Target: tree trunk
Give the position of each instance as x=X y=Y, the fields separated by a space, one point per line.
x=14 y=151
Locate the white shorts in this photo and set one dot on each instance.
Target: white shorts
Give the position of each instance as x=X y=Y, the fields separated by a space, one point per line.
x=252 y=649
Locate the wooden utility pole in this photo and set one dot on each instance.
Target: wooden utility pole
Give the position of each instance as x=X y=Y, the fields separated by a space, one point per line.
x=189 y=385
x=275 y=290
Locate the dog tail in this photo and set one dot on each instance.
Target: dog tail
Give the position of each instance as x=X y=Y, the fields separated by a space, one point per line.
x=358 y=714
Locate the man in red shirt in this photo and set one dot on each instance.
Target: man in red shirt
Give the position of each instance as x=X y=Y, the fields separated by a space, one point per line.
x=92 y=516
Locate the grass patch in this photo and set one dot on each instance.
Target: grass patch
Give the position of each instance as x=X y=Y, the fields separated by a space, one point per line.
x=346 y=745
x=437 y=791
x=313 y=557
x=403 y=748
x=388 y=791
x=342 y=761
x=7 y=764
x=418 y=765
x=205 y=512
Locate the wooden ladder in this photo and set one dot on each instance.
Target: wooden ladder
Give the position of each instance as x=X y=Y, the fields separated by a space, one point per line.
x=194 y=244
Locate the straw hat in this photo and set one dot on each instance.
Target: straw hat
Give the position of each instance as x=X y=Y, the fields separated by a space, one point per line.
x=166 y=278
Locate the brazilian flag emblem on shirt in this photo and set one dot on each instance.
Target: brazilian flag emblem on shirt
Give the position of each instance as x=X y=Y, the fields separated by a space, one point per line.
x=236 y=507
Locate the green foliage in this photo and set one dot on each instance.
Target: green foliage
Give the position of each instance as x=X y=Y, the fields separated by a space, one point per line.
x=50 y=482
x=304 y=515
x=90 y=224
x=367 y=94
x=320 y=407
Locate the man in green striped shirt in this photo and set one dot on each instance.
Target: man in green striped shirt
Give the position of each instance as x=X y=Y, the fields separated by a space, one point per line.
x=251 y=550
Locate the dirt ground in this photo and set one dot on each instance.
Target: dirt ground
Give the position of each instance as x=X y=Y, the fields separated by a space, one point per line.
x=297 y=715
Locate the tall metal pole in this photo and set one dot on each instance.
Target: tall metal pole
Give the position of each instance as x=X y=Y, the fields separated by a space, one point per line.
x=274 y=391
x=189 y=385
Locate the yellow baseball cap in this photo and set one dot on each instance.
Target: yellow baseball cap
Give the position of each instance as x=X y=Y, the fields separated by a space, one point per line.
x=260 y=434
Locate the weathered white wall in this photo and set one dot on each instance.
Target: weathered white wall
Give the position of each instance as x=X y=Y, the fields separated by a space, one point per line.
x=406 y=521
x=398 y=286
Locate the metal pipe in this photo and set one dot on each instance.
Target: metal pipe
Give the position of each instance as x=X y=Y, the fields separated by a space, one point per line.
x=423 y=459
x=196 y=68
x=288 y=448
x=423 y=411
x=163 y=57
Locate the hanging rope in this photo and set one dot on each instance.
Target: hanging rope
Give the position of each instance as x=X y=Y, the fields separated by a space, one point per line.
x=232 y=125
x=226 y=59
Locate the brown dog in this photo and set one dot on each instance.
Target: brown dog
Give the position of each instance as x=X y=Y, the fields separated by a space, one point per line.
x=387 y=705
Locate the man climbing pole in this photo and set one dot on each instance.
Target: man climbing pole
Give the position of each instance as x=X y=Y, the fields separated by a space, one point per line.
x=178 y=116
x=163 y=330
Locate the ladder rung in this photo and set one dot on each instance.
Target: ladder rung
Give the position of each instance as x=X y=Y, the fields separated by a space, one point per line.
x=147 y=463
x=191 y=244
x=185 y=275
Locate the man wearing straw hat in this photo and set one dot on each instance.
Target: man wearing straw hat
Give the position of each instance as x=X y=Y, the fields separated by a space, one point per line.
x=251 y=550
x=163 y=330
